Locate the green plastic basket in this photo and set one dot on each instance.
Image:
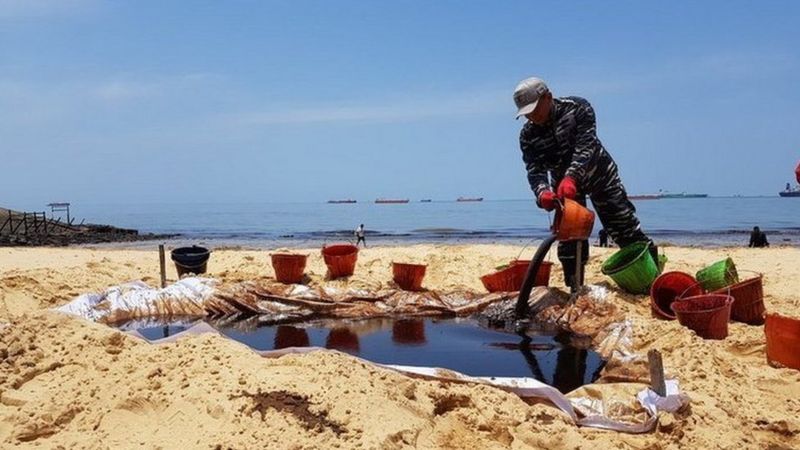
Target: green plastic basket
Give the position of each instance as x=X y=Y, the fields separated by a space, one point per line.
x=632 y=268
x=718 y=275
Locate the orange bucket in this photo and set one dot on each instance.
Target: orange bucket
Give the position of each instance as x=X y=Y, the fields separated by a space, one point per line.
x=783 y=341
x=573 y=221
x=408 y=276
x=340 y=259
x=288 y=267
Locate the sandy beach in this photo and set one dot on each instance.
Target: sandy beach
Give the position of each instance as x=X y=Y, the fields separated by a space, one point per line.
x=68 y=383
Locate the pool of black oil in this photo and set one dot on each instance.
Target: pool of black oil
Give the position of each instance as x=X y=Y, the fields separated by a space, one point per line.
x=462 y=345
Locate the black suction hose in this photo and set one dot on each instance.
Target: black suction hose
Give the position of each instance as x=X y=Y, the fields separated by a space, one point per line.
x=522 y=308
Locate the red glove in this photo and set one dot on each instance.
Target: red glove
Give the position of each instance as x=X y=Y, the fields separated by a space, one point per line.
x=567 y=188
x=547 y=200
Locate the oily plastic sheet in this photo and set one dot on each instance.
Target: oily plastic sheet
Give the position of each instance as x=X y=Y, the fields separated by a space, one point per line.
x=273 y=302
x=250 y=304
x=617 y=342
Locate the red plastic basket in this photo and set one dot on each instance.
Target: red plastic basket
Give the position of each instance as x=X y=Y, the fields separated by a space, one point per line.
x=667 y=288
x=500 y=281
x=289 y=267
x=783 y=341
x=408 y=276
x=340 y=259
x=748 y=300
x=707 y=314
x=542 y=276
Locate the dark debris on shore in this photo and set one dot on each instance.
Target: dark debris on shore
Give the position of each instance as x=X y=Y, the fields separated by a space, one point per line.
x=80 y=234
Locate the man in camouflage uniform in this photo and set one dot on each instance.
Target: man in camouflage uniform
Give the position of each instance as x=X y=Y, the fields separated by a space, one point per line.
x=560 y=140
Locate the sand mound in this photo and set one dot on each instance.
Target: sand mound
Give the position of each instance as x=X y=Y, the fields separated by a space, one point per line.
x=62 y=379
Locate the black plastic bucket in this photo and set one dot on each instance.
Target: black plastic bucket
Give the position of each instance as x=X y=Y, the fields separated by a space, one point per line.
x=191 y=259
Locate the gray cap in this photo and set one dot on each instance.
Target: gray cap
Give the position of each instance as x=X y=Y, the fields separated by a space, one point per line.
x=527 y=94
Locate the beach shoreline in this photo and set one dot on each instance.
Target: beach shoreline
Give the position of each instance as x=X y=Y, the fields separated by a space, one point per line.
x=708 y=222
x=73 y=380
x=687 y=240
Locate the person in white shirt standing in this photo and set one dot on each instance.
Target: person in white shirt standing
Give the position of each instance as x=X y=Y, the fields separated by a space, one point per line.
x=360 y=235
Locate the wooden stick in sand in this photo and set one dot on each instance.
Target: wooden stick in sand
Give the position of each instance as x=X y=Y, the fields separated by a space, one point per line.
x=162 y=261
x=657 y=373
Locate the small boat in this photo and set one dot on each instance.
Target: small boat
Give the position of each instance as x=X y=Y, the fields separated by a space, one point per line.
x=789 y=192
x=425 y=200
x=391 y=200
x=469 y=199
x=337 y=202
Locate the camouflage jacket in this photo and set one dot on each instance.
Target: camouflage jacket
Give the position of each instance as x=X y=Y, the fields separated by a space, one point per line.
x=567 y=145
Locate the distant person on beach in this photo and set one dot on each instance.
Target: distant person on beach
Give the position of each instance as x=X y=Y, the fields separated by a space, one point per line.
x=758 y=238
x=603 y=236
x=565 y=159
x=360 y=235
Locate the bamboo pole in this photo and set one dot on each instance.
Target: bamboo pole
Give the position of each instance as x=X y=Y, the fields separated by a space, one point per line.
x=162 y=262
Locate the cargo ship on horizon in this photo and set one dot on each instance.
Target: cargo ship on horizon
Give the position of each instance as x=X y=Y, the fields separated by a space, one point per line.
x=645 y=197
x=664 y=194
x=683 y=195
x=338 y=202
x=391 y=200
x=469 y=199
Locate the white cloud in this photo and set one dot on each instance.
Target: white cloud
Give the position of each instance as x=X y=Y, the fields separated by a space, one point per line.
x=125 y=90
x=387 y=110
x=141 y=87
x=41 y=103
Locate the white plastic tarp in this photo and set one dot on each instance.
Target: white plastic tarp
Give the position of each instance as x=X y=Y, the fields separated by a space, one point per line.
x=137 y=295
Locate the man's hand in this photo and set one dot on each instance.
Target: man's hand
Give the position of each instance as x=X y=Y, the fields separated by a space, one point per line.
x=567 y=188
x=547 y=200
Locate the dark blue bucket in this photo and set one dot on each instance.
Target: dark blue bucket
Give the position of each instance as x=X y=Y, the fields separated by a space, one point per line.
x=191 y=259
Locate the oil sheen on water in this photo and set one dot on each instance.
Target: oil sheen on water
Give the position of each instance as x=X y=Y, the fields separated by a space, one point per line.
x=457 y=344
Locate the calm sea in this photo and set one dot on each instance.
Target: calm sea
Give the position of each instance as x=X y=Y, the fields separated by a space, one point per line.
x=703 y=222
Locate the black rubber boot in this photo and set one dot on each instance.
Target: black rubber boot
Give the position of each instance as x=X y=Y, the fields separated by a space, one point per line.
x=569 y=275
x=567 y=252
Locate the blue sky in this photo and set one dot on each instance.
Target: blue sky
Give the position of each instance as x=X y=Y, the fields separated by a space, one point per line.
x=201 y=101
